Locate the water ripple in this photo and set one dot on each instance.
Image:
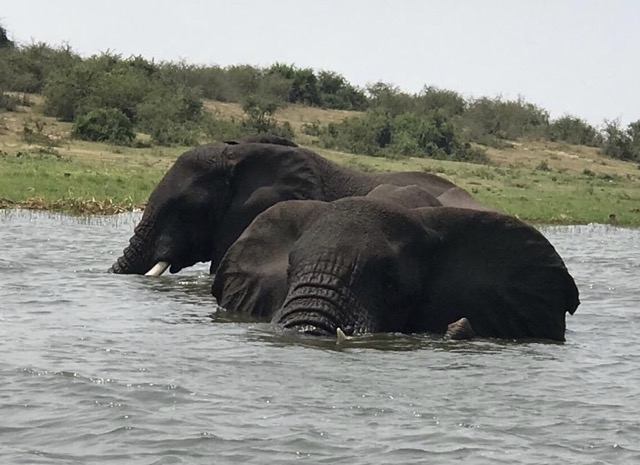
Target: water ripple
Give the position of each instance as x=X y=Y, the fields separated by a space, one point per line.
x=99 y=368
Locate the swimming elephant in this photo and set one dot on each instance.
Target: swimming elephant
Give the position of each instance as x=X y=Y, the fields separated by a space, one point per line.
x=213 y=192
x=369 y=264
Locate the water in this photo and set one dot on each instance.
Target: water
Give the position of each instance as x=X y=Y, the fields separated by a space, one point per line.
x=97 y=368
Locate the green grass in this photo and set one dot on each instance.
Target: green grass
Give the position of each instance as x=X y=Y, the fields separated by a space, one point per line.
x=550 y=196
x=45 y=181
x=539 y=182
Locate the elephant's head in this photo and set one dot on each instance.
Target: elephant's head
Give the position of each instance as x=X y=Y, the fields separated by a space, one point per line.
x=208 y=197
x=369 y=265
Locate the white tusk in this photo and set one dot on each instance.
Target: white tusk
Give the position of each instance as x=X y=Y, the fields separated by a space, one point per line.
x=341 y=336
x=158 y=269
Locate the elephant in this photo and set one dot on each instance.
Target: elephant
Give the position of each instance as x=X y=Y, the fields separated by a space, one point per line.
x=369 y=264
x=213 y=192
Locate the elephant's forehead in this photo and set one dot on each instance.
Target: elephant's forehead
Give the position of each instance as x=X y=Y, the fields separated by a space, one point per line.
x=367 y=213
x=358 y=223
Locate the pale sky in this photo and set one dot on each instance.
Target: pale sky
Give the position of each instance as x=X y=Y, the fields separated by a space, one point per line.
x=569 y=56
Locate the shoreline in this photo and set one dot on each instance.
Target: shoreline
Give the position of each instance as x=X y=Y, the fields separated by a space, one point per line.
x=537 y=181
x=107 y=207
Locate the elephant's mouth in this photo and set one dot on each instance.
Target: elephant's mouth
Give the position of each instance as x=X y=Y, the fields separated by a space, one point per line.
x=318 y=329
x=318 y=309
x=316 y=324
x=309 y=324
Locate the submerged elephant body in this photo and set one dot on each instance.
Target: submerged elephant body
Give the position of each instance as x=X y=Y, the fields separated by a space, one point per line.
x=363 y=265
x=212 y=193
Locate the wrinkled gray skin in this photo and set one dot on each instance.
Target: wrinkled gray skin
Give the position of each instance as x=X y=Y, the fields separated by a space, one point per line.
x=367 y=265
x=213 y=192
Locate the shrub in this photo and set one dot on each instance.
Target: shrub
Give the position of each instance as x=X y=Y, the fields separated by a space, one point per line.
x=617 y=142
x=448 y=102
x=303 y=83
x=366 y=134
x=5 y=42
x=215 y=128
x=101 y=81
x=574 y=130
x=409 y=134
x=336 y=92
x=504 y=119
x=104 y=125
x=67 y=90
x=387 y=98
x=245 y=81
x=30 y=67
x=171 y=116
x=259 y=118
x=633 y=132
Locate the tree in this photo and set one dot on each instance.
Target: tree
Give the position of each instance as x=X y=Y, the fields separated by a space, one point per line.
x=336 y=92
x=171 y=115
x=104 y=125
x=617 y=142
x=574 y=130
x=260 y=117
x=633 y=131
x=5 y=42
x=448 y=102
x=389 y=99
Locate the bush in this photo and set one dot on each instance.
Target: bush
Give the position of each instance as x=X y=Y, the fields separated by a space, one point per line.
x=336 y=92
x=215 y=128
x=623 y=144
x=410 y=134
x=504 y=119
x=387 y=98
x=171 y=116
x=574 y=130
x=69 y=89
x=104 y=125
x=165 y=100
x=101 y=81
x=303 y=83
x=259 y=118
x=5 y=42
x=366 y=134
x=633 y=132
x=30 y=67
x=448 y=102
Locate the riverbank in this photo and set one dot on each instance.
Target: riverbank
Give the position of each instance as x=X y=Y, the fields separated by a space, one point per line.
x=540 y=182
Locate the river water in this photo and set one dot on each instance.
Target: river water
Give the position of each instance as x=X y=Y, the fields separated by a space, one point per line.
x=98 y=368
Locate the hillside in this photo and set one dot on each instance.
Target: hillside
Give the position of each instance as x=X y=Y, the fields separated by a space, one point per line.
x=539 y=181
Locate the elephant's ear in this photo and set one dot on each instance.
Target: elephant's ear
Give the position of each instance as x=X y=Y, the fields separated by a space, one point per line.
x=252 y=276
x=500 y=273
x=260 y=176
x=408 y=196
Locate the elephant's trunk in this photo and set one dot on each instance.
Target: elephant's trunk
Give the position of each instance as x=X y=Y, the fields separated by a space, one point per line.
x=320 y=304
x=137 y=256
x=134 y=258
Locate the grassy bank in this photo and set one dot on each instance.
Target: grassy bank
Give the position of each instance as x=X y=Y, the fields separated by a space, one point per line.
x=540 y=182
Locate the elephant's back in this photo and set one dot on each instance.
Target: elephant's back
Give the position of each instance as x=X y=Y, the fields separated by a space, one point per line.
x=431 y=183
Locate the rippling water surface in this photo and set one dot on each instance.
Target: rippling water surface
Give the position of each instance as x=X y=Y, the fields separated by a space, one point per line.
x=97 y=368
